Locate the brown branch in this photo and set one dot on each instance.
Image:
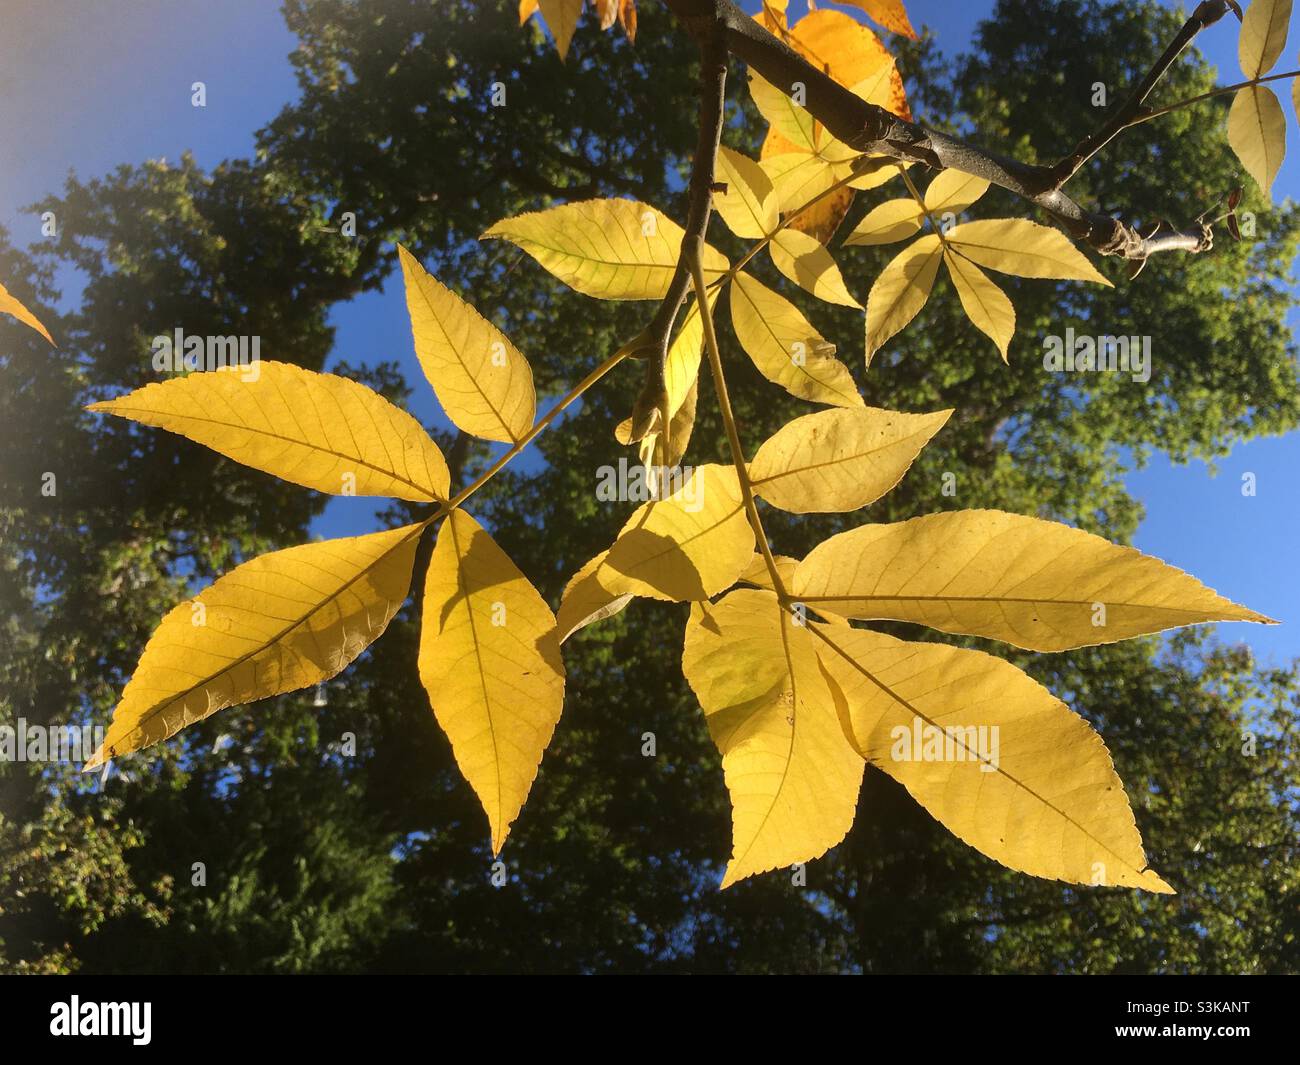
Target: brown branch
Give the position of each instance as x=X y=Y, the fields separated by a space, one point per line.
x=873 y=130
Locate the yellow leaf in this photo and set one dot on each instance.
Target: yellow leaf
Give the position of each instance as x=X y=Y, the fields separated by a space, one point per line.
x=11 y=305
x=692 y=544
x=838 y=460
x=483 y=382
x=1263 y=35
x=824 y=217
x=1257 y=133
x=314 y=429
x=679 y=435
x=901 y=290
x=889 y=13
x=490 y=661
x=586 y=600
x=798 y=177
x=1028 y=582
x=682 y=367
x=792 y=775
x=787 y=118
x=607 y=12
x=610 y=249
x=562 y=19
x=749 y=206
x=809 y=265
x=282 y=621
x=890 y=221
x=994 y=756
x=1026 y=249
x=985 y=304
x=756 y=572
x=849 y=52
x=953 y=191
x=785 y=347
x=527 y=8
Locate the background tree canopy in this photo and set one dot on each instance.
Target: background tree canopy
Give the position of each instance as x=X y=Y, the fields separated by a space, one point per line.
x=320 y=860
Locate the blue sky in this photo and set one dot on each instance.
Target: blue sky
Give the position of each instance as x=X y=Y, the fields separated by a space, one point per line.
x=87 y=86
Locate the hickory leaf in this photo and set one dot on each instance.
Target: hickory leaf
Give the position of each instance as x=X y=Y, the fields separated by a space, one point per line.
x=792 y=775
x=10 y=304
x=280 y=622
x=992 y=754
x=1028 y=582
x=490 y=661
x=314 y=429
x=837 y=460
x=482 y=381
x=610 y=249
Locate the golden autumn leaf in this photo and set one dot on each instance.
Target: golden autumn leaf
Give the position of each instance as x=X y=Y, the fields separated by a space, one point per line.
x=1263 y=35
x=749 y=206
x=986 y=305
x=889 y=13
x=756 y=573
x=1023 y=248
x=611 y=249
x=282 y=621
x=490 y=661
x=1028 y=582
x=786 y=118
x=785 y=347
x=483 y=382
x=901 y=289
x=527 y=9
x=887 y=222
x=792 y=775
x=991 y=754
x=10 y=304
x=953 y=191
x=849 y=52
x=562 y=20
x=806 y=262
x=586 y=600
x=314 y=429
x=1257 y=133
x=838 y=460
x=691 y=544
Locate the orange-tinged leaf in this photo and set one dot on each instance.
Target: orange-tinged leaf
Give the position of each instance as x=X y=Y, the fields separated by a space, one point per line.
x=889 y=13
x=527 y=9
x=490 y=661
x=791 y=773
x=562 y=20
x=314 y=429
x=991 y=754
x=848 y=51
x=280 y=622
x=1032 y=583
x=9 y=304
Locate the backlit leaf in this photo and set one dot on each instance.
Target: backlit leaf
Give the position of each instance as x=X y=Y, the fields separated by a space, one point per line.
x=804 y=260
x=490 y=661
x=785 y=347
x=10 y=304
x=838 y=460
x=483 y=382
x=282 y=621
x=1263 y=35
x=314 y=429
x=610 y=249
x=887 y=222
x=901 y=289
x=562 y=20
x=1026 y=249
x=1257 y=133
x=953 y=191
x=792 y=775
x=1032 y=583
x=985 y=304
x=992 y=754
x=749 y=206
